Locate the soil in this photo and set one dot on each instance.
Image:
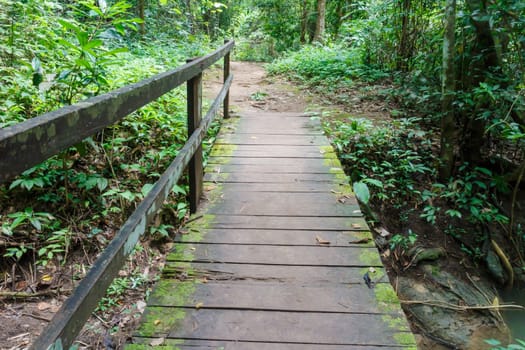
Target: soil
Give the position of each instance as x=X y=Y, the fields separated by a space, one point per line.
x=252 y=90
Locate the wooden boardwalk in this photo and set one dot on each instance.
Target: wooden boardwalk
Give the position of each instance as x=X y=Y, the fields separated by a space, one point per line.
x=275 y=257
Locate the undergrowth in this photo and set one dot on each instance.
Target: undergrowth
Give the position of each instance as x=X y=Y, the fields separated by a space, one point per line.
x=69 y=207
x=394 y=161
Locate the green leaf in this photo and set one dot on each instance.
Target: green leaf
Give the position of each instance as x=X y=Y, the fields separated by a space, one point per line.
x=179 y=190
x=102 y=183
x=361 y=192
x=146 y=188
x=92 y=44
x=68 y=25
x=36 y=223
x=373 y=182
x=128 y=195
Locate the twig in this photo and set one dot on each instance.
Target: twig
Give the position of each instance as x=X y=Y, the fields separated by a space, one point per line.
x=194 y=219
x=24 y=295
x=15 y=337
x=104 y=322
x=41 y=318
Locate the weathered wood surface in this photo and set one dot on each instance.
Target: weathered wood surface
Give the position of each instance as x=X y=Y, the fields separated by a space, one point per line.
x=276 y=257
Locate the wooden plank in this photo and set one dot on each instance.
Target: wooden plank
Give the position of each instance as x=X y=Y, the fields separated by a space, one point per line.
x=262 y=115
x=291 y=167
x=277 y=255
x=246 y=295
x=289 y=204
x=278 y=237
x=272 y=178
x=281 y=273
x=303 y=186
x=289 y=223
x=265 y=139
x=268 y=326
x=268 y=161
x=278 y=151
x=198 y=344
x=286 y=127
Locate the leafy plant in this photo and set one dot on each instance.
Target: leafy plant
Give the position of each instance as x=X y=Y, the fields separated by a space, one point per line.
x=403 y=241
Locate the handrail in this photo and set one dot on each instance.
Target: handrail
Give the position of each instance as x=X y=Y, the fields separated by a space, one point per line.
x=31 y=142
x=35 y=140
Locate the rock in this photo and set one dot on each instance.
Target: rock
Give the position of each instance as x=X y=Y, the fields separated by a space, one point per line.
x=519 y=274
x=419 y=254
x=495 y=268
x=437 y=306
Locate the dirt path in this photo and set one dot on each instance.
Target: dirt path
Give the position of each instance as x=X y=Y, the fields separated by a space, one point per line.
x=252 y=90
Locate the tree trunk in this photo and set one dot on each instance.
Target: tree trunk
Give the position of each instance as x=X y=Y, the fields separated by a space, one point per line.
x=142 y=17
x=404 y=49
x=304 y=22
x=320 y=23
x=448 y=120
x=339 y=18
x=484 y=60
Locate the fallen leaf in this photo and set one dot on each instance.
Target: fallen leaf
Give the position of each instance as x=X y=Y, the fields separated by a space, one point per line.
x=157 y=342
x=356 y=226
x=383 y=232
x=199 y=305
x=204 y=280
x=43 y=306
x=46 y=278
x=321 y=241
x=141 y=306
x=356 y=212
x=371 y=270
x=361 y=241
x=156 y=322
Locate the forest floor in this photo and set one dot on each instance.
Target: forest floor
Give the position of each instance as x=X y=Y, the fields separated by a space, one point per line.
x=252 y=90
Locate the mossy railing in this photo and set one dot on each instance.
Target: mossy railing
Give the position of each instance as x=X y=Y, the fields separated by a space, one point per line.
x=31 y=142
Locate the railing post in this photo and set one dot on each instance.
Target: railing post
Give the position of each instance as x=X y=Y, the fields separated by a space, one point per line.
x=194 y=102
x=226 y=74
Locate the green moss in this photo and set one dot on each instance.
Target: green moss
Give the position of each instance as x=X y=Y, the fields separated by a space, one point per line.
x=223 y=150
x=343 y=189
x=173 y=293
x=435 y=270
x=201 y=222
x=395 y=319
x=181 y=252
x=387 y=298
x=406 y=338
x=159 y=321
x=331 y=162
x=370 y=257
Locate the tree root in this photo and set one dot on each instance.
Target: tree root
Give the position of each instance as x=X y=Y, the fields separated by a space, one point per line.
x=25 y=295
x=455 y=307
x=505 y=261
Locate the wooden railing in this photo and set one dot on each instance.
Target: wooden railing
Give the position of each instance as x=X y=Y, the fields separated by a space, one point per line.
x=31 y=142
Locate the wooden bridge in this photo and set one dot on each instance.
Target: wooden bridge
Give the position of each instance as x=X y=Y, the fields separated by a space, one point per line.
x=275 y=257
